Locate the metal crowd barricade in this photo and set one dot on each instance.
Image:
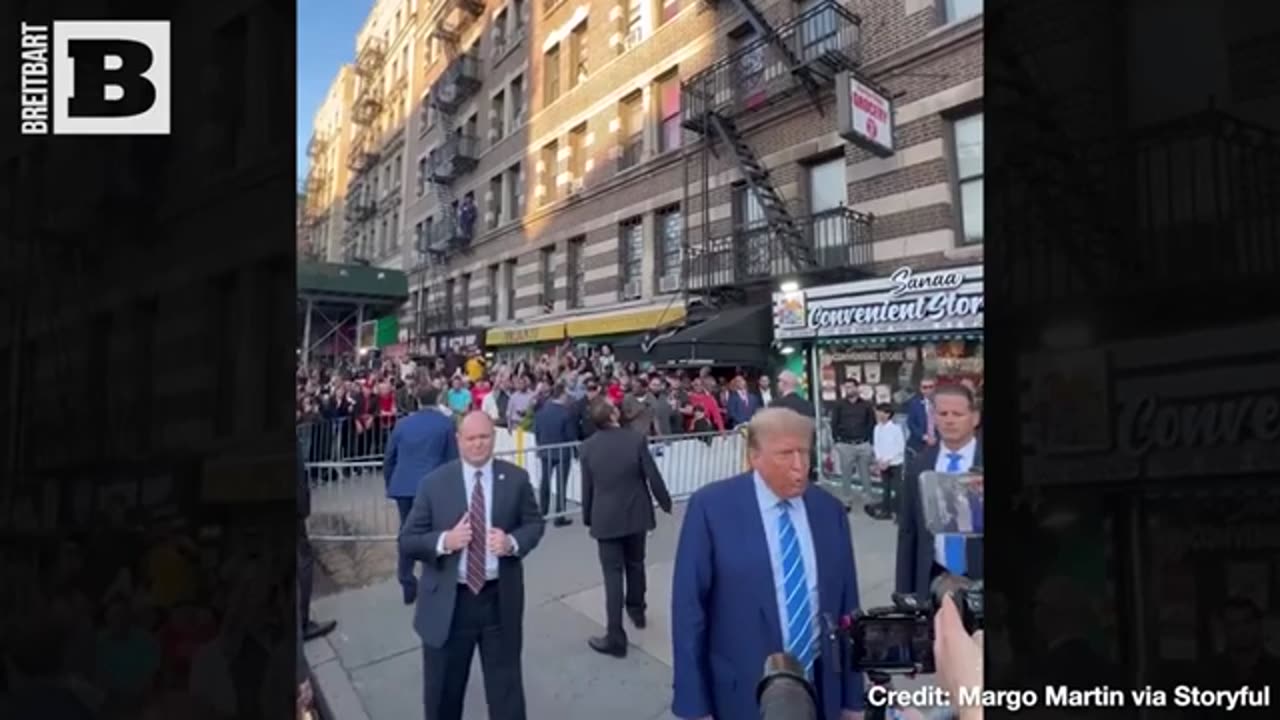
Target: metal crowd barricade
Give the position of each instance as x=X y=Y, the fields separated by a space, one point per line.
x=349 y=503
x=344 y=439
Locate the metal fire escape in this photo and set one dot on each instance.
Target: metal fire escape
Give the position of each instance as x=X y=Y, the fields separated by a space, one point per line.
x=363 y=153
x=455 y=156
x=315 y=209
x=801 y=56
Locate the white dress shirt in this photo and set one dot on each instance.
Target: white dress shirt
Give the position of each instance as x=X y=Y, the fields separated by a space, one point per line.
x=889 y=443
x=490 y=561
x=968 y=454
x=769 y=514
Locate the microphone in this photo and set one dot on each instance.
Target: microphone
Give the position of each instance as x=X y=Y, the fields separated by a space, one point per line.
x=783 y=691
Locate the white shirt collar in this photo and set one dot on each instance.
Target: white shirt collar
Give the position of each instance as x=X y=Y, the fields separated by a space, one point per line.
x=486 y=470
x=767 y=498
x=968 y=454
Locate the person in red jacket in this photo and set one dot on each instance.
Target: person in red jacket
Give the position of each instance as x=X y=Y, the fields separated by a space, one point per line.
x=614 y=392
x=699 y=397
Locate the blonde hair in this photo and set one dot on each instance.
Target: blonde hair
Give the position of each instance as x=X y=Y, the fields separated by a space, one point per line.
x=777 y=421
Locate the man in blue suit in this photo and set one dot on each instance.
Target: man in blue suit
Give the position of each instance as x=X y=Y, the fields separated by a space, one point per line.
x=922 y=428
x=741 y=405
x=554 y=426
x=419 y=444
x=762 y=557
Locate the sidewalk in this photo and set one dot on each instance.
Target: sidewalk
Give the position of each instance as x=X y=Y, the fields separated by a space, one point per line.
x=370 y=668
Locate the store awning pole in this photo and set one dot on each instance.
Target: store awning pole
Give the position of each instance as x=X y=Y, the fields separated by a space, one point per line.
x=306 y=334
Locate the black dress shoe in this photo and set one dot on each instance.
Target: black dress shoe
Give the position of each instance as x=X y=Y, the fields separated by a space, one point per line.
x=637 y=618
x=562 y=521
x=314 y=630
x=410 y=593
x=877 y=512
x=605 y=646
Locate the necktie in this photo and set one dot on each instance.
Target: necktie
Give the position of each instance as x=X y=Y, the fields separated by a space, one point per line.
x=476 y=551
x=953 y=462
x=795 y=589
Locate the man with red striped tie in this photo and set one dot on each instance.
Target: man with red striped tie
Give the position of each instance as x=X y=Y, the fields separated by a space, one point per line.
x=472 y=522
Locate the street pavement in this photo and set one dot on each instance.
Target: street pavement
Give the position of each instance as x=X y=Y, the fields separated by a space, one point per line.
x=370 y=668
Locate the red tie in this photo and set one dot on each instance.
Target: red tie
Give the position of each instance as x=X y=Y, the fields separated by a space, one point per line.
x=476 y=551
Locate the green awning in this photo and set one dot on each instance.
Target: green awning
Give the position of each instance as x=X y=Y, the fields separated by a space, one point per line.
x=353 y=283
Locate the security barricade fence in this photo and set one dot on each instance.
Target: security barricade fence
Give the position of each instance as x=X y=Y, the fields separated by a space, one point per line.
x=348 y=496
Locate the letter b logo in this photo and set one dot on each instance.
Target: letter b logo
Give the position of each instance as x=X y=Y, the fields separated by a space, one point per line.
x=111 y=78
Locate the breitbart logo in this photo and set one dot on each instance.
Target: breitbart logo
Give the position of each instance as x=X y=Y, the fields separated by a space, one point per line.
x=95 y=77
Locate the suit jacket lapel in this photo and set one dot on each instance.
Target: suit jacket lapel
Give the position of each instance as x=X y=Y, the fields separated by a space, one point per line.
x=765 y=591
x=821 y=554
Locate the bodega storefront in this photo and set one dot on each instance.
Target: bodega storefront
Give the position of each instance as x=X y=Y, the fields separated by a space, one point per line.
x=886 y=333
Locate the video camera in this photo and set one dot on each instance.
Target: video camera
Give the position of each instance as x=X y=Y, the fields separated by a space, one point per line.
x=898 y=640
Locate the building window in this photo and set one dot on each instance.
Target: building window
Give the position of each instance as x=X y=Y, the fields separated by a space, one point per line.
x=551 y=75
x=513 y=191
x=464 y=302
x=420 y=237
x=575 y=274
x=450 y=295
x=957 y=10
x=669 y=227
x=399 y=170
x=631 y=113
x=578 y=154
x=426 y=116
x=634 y=28
x=550 y=167
x=670 y=8
x=493 y=211
x=395 y=230
x=509 y=285
x=499 y=115
x=517 y=15
x=669 y=112
x=517 y=101
x=967 y=136
x=473 y=126
x=630 y=258
x=547 y=278
x=500 y=32
x=578 y=54
x=493 y=293
x=421 y=182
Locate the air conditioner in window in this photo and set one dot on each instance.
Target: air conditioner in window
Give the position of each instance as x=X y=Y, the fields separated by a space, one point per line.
x=575 y=186
x=634 y=36
x=669 y=283
x=631 y=289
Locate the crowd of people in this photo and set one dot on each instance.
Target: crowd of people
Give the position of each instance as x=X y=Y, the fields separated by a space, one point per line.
x=163 y=622
x=352 y=408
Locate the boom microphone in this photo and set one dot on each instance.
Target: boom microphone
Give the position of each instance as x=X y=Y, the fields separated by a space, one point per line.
x=783 y=691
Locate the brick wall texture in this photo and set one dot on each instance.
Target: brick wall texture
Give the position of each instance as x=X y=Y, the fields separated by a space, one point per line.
x=932 y=69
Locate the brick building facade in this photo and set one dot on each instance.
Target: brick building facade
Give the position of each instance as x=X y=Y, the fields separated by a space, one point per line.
x=589 y=192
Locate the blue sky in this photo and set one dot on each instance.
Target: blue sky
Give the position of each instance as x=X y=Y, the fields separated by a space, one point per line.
x=326 y=40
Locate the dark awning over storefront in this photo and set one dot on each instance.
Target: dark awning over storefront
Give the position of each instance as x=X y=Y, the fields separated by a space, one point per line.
x=734 y=337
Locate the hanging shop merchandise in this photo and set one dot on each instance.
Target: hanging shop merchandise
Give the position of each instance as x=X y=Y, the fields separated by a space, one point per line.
x=887 y=333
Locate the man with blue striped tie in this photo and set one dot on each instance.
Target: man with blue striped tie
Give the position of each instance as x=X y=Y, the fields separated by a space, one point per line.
x=762 y=559
x=921 y=556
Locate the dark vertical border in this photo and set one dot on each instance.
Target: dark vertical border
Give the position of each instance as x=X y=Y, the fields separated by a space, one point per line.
x=146 y=353
x=1110 y=565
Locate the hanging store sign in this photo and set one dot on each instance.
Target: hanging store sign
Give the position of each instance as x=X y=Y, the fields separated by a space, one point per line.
x=864 y=115
x=905 y=302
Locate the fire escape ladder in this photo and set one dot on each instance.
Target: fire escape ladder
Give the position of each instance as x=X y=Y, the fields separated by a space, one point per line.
x=770 y=35
x=781 y=224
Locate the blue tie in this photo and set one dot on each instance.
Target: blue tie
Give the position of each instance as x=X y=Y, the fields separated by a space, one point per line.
x=800 y=635
x=953 y=462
